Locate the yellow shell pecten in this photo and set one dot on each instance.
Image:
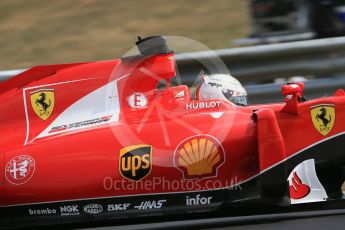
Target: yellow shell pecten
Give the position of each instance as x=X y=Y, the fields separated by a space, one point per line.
x=199 y=156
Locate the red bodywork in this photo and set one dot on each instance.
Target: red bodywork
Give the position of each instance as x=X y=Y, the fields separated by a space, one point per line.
x=81 y=161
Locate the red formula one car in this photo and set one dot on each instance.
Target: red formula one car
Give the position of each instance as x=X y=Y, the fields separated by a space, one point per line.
x=99 y=140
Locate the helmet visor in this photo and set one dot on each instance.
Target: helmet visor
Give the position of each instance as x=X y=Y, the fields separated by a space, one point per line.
x=237 y=100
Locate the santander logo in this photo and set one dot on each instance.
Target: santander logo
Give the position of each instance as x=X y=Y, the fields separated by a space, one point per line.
x=298 y=190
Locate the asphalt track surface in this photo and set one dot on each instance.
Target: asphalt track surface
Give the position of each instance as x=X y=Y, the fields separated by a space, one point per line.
x=327 y=222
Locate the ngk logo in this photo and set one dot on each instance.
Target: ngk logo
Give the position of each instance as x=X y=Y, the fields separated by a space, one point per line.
x=69 y=210
x=135 y=161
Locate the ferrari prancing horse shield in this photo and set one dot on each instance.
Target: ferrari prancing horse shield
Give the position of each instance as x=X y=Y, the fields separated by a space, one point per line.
x=323 y=117
x=42 y=102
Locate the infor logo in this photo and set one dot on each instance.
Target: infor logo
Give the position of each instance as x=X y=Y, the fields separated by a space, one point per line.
x=135 y=161
x=20 y=169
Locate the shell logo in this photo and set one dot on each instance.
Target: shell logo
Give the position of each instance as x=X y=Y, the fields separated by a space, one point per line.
x=199 y=157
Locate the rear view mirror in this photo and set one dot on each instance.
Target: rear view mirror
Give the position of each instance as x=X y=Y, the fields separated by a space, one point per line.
x=293 y=93
x=293 y=89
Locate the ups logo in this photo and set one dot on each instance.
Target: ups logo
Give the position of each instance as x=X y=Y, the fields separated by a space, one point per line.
x=135 y=161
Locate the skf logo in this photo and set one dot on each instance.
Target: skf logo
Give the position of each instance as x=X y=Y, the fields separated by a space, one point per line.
x=135 y=161
x=323 y=117
x=199 y=157
x=118 y=207
x=42 y=102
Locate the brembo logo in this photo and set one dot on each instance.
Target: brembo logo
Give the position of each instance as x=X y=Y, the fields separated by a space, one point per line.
x=135 y=161
x=39 y=212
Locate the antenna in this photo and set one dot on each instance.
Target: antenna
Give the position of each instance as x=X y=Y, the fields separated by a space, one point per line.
x=152 y=45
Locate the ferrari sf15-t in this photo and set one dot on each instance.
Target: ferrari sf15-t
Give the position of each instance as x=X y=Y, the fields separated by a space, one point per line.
x=99 y=140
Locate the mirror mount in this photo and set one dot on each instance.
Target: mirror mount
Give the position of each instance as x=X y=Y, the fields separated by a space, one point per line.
x=293 y=93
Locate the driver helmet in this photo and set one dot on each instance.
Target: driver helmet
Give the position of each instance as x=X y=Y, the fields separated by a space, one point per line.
x=222 y=87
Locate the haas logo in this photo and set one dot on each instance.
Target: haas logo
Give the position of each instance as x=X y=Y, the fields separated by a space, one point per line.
x=323 y=117
x=298 y=190
x=42 y=102
x=135 y=161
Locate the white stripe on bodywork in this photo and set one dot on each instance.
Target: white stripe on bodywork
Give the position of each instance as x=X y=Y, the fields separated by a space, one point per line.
x=40 y=86
x=100 y=103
